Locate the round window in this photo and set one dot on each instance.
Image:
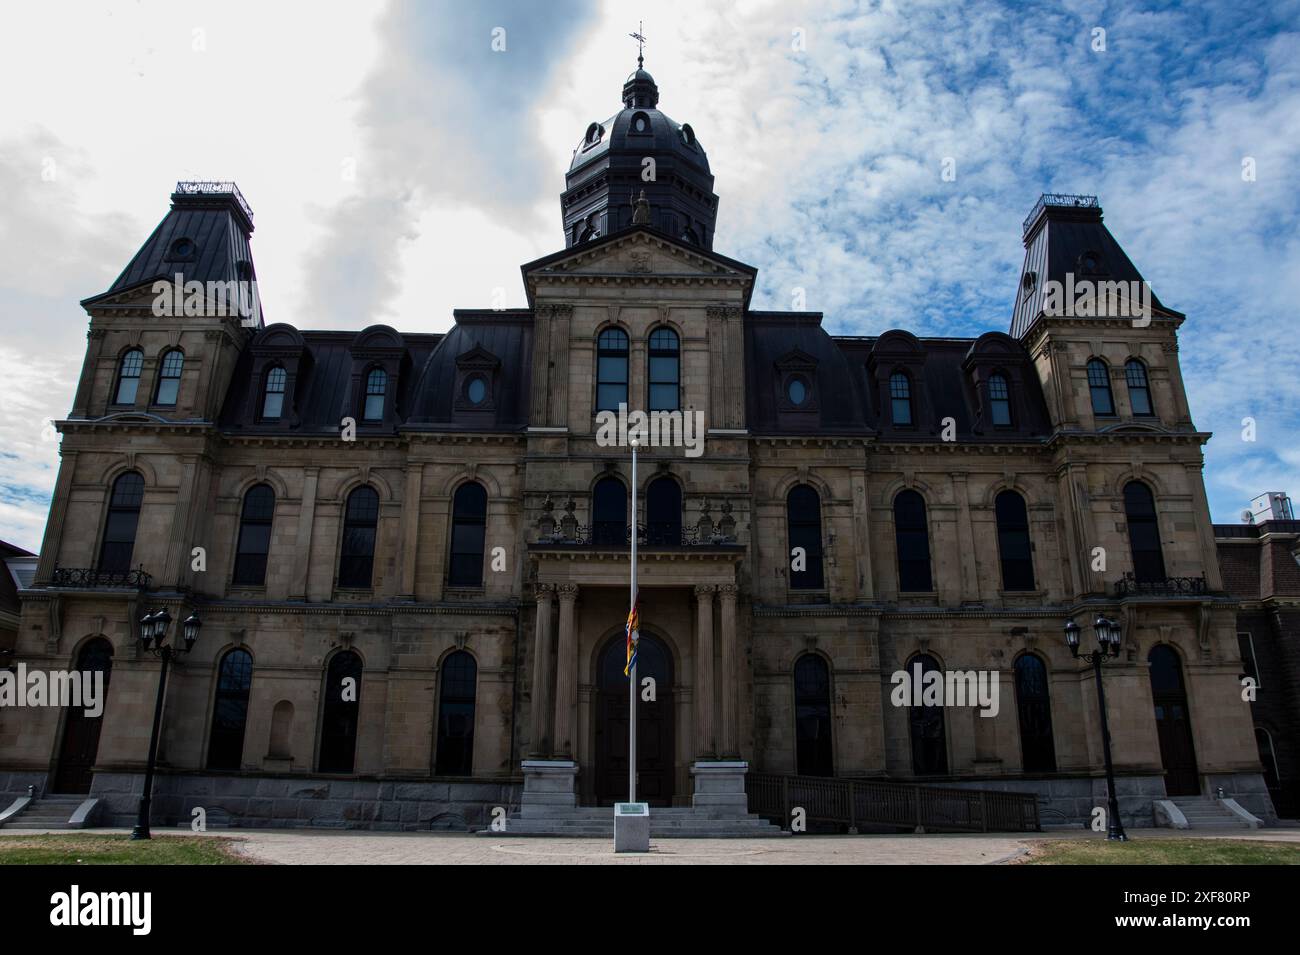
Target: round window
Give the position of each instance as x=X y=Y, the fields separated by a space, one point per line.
x=796 y=390
x=476 y=390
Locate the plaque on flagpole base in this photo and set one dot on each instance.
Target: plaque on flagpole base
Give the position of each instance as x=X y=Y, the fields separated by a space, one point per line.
x=632 y=827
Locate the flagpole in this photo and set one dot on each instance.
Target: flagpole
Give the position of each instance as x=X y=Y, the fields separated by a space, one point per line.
x=631 y=683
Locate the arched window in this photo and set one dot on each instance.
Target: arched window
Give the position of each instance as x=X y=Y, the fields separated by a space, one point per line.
x=360 y=522
x=1033 y=701
x=376 y=386
x=457 y=685
x=273 y=394
x=1139 y=390
x=1143 y=533
x=169 y=378
x=665 y=369
x=1013 y=541
x=900 y=400
x=803 y=515
x=119 y=528
x=999 y=401
x=254 y=536
x=468 y=535
x=814 y=755
x=912 y=539
x=1103 y=403
x=230 y=710
x=929 y=735
x=609 y=523
x=663 y=509
x=611 y=369
x=128 y=377
x=338 y=732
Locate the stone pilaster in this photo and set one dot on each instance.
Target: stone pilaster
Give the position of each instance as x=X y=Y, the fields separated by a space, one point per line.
x=541 y=701
x=730 y=669
x=705 y=740
x=566 y=673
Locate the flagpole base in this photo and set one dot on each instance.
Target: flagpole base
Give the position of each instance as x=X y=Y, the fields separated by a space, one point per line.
x=632 y=827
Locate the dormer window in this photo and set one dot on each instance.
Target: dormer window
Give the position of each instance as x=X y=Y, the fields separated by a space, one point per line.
x=796 y=389
x=640 y=123
x=900 y=400
x=273 y=394
x=999 y=401
x=476 y=390
x=376 y=388
x=1090 y=263
x=182 y=250
x=595 y=132
x=688 y=134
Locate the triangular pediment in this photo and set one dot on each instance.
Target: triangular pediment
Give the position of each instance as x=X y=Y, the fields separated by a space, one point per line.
x=634 y=252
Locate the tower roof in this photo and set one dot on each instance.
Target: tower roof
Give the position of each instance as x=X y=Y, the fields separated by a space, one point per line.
x=639 y=148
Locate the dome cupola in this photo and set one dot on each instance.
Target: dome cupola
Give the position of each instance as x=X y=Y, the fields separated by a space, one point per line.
x=639 y=152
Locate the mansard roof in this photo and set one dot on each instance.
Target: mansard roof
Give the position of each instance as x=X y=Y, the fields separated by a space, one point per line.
x=204 y=237
x=850 y=382
x=473 y=343
x=1064 y=234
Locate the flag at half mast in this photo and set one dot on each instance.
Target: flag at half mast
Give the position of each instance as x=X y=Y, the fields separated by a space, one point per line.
x=632 y=628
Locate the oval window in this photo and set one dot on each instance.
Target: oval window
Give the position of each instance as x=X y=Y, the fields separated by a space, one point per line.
x=796 y=390
x=476 y=390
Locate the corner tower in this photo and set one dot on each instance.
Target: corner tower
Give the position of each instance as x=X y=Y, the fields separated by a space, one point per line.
x=639 y=149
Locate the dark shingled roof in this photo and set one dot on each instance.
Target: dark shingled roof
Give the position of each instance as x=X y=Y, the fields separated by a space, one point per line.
x=1059 y=232
x=506 y=336
x=219 y=226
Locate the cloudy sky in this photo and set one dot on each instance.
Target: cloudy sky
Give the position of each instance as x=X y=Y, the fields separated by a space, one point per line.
x=399 y=166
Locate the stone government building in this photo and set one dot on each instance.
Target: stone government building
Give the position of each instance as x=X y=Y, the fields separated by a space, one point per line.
x=378 y=558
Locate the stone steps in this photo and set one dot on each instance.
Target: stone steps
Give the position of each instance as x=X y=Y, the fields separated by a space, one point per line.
x=47 y=812
x=1203 y=812
x=598 y=822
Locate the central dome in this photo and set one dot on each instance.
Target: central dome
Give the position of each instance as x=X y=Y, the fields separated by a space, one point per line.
x=639 y=148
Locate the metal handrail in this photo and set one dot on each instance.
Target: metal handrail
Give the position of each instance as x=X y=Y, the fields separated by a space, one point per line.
x=93 y=577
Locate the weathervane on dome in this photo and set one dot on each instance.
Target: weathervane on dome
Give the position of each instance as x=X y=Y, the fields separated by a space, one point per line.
x=640 y=44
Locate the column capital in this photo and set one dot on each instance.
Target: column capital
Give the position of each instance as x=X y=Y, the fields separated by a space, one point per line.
x=705 y=590
x=728 y=591
x=544 y=592
x=567 y=591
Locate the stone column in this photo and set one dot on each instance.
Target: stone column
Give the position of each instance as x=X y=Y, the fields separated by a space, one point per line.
x=541 y=703
x=730 y=671
x=302 y=546
x=705 y=744
x=566 y=674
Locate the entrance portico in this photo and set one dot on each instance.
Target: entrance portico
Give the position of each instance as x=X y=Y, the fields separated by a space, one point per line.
x=688 y=608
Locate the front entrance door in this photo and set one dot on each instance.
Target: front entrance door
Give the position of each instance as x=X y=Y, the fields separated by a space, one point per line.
x=81 y=732
x=654 y=724
x=1173 y=722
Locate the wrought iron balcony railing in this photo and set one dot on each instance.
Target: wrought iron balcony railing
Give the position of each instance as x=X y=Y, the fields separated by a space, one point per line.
x=1058 y=199
x=93 y=577
x=651 y=536
x=1130 y=586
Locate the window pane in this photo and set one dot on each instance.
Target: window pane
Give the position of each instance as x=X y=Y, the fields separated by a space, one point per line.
x=663 y=398
x=374 y=408
x=804 y=528
x=167 y=390
x=126 y=388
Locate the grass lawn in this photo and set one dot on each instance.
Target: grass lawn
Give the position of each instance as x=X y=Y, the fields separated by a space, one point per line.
x=1165 y=852
x=79 y=849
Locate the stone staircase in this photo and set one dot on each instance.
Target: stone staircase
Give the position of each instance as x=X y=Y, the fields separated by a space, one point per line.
x=47 y=812
x=1202 y=812
x=592 y=822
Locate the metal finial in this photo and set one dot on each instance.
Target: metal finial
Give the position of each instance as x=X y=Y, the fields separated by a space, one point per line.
x=640 y=45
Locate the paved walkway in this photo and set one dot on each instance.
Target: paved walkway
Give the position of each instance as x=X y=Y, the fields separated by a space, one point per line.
x=326 y=847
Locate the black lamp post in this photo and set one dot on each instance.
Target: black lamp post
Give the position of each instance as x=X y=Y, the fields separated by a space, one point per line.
x=153 y=639
x=1108 y=641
